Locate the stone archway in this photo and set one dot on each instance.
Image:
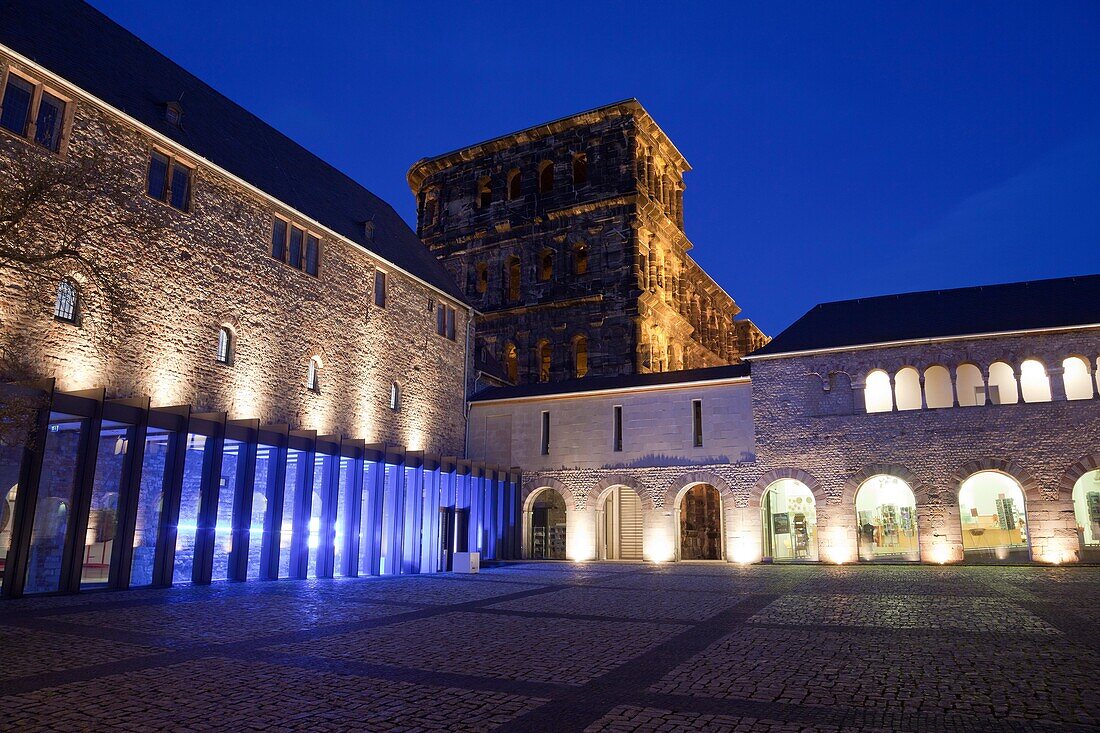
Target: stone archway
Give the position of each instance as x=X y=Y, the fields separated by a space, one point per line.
x=545 y=524
x=620 y=523
x=1081 y=486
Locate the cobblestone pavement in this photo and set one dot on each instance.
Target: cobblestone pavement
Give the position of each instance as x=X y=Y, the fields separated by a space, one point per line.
x=562 y=647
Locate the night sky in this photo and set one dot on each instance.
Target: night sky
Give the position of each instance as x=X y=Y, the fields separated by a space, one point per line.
x=839 y=149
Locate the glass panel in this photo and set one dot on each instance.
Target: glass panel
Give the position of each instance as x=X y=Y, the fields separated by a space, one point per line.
x=181 y=187
x=47 y=128
x=312 y=249
x=54 y=503
x=340 y=532
x=296 y=466
x=321 y=469
x=790 y=521
x=150 y=504
x=158 y=176
x=701 y=524
x=994 y=523
x=13 y=435
x=232 y=456
x=886 y=512
x=1086 y=509
x=17 y=105
x=278 y=240
x=190 y=499
x=548 y=525
x=295 y=259
x=262 y=488
x=114 y=444
x=366 y=518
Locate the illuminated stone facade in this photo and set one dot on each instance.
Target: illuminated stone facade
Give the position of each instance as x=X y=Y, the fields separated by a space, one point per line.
x=569 y=239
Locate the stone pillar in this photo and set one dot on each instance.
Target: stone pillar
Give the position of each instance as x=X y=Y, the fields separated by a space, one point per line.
x=680 y=207
x=1092 y=380
x=1019 y=387
x=923 y=393
x=985 y=391
x=954 y=387
x=1056 y=377
x=893 y=394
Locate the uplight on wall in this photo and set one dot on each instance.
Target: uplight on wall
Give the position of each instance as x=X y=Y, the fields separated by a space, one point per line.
x=744 y=551
x=837 y=550
x=941 y=553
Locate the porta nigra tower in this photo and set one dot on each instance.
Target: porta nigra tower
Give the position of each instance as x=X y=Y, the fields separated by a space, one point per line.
x=568 y=238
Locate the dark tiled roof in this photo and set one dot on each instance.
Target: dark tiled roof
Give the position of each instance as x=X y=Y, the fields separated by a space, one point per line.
x=1037 y=304
x=595 y=384
x=83 y=46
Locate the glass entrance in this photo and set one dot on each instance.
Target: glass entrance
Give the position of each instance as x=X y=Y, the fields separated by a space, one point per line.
x=701 y=523
x=790 y=522
x=548 y=520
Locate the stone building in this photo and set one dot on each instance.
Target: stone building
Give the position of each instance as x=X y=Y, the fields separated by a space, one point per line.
x=234 y=359
x=945 y=426
x=568 y=238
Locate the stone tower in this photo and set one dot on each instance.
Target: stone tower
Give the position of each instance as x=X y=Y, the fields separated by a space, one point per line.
x=568 y=238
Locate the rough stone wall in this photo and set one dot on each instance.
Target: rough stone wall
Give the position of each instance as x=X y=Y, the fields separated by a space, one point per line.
x=211 y=267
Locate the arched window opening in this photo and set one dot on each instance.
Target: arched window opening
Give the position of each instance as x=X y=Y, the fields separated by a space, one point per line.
x=67 y=305
x=511 y=366
x=877 y=394
x=513 y=184
x=937 y=387
x=790 y=521
x=969 y=385
x=226 y=345
x=546 y=176
x=543 y=353
x=484 y=193
x=512 y=277
x=1002 y=384
x=481 y=277
x=701 y=523
x=546 y=265
x=395 y=396
x=580 y=356
x=313 y=374
x=580 y=169
x=620 y=524
x=547 y=522
x=907 y=389
x=1086 y=510
x=994 y=521
x=1077 y=379
x=886 y=520
x=1034 y=382
x=580 y=258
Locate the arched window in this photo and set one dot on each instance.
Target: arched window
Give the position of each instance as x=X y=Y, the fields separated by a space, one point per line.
x=877 y=394
x=580 y=258
x=512 y=277
x=546 y=265
x=313 y=375
x=1034 y=382
x=543 y=352
x=886 y=519
x=1086 y=510
x=67 y=305
x=580 y=169
x=481 y=277
x=511 y=366
x=580 y=356
x=907 y=389
x=790 y=521
x=395 y=396
x=546 y=176
x=484 y=193
x=700 y=513
x=994 y=522
x=937 y=387
x=1002 y=384
x=969 y=385
x=514 y=184
x=225 y=345
x=546 y=520
x=1077 y=379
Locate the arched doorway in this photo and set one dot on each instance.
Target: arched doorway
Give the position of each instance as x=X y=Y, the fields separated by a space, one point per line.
x=1086 y=509
x=546 y=525
x=700 y=520
x=994 y=518
x=619 y=524
x=790 y=521
x=886 y=520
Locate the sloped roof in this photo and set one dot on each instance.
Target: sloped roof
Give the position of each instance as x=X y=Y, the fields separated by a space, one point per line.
x=600 y=384
x=1023 y=306
x=89 y=50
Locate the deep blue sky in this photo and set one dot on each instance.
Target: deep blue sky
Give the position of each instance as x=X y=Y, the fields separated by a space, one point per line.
x=839 y=149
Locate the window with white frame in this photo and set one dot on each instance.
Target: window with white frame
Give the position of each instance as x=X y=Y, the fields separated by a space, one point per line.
x=225 y=345
x=395 y=397
x=67 y=305
x=31 y=111
x=313 y=375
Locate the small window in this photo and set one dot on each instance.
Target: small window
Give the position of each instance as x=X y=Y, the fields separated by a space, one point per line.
x=313 y=376
x=313 y=254
x=481 y=277
x=16 y=113
x=484 y=193
x=545 y=432
x=580 y=356
x=66 y=307
x=225 y=345
x=158 y=176
x=294 y=258
x=169 y=181
x=445 y=321
x=47 y=126
x=580 y=169
x=180 y=188
x=580 y=258
x=450 y=323
x=697 y=423
x=546 y=265
x=395 y=397
x=546 y=176
x=21 y=104
x=278 y=240
x=380 y=288
x=514 y=181
x=512 y=277
x=617 y=444
x=544 y=355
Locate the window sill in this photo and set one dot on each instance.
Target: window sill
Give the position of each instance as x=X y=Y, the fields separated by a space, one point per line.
x=186 y=212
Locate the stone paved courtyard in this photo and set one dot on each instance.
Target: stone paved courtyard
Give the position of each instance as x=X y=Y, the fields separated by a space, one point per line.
x=563 y=647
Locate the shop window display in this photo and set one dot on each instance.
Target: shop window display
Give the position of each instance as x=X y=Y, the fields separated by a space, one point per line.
x=886 y=518
x=994 y=521
x=701 y=524
x=790 y=521
x=548 y=526
x=1086 y=509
